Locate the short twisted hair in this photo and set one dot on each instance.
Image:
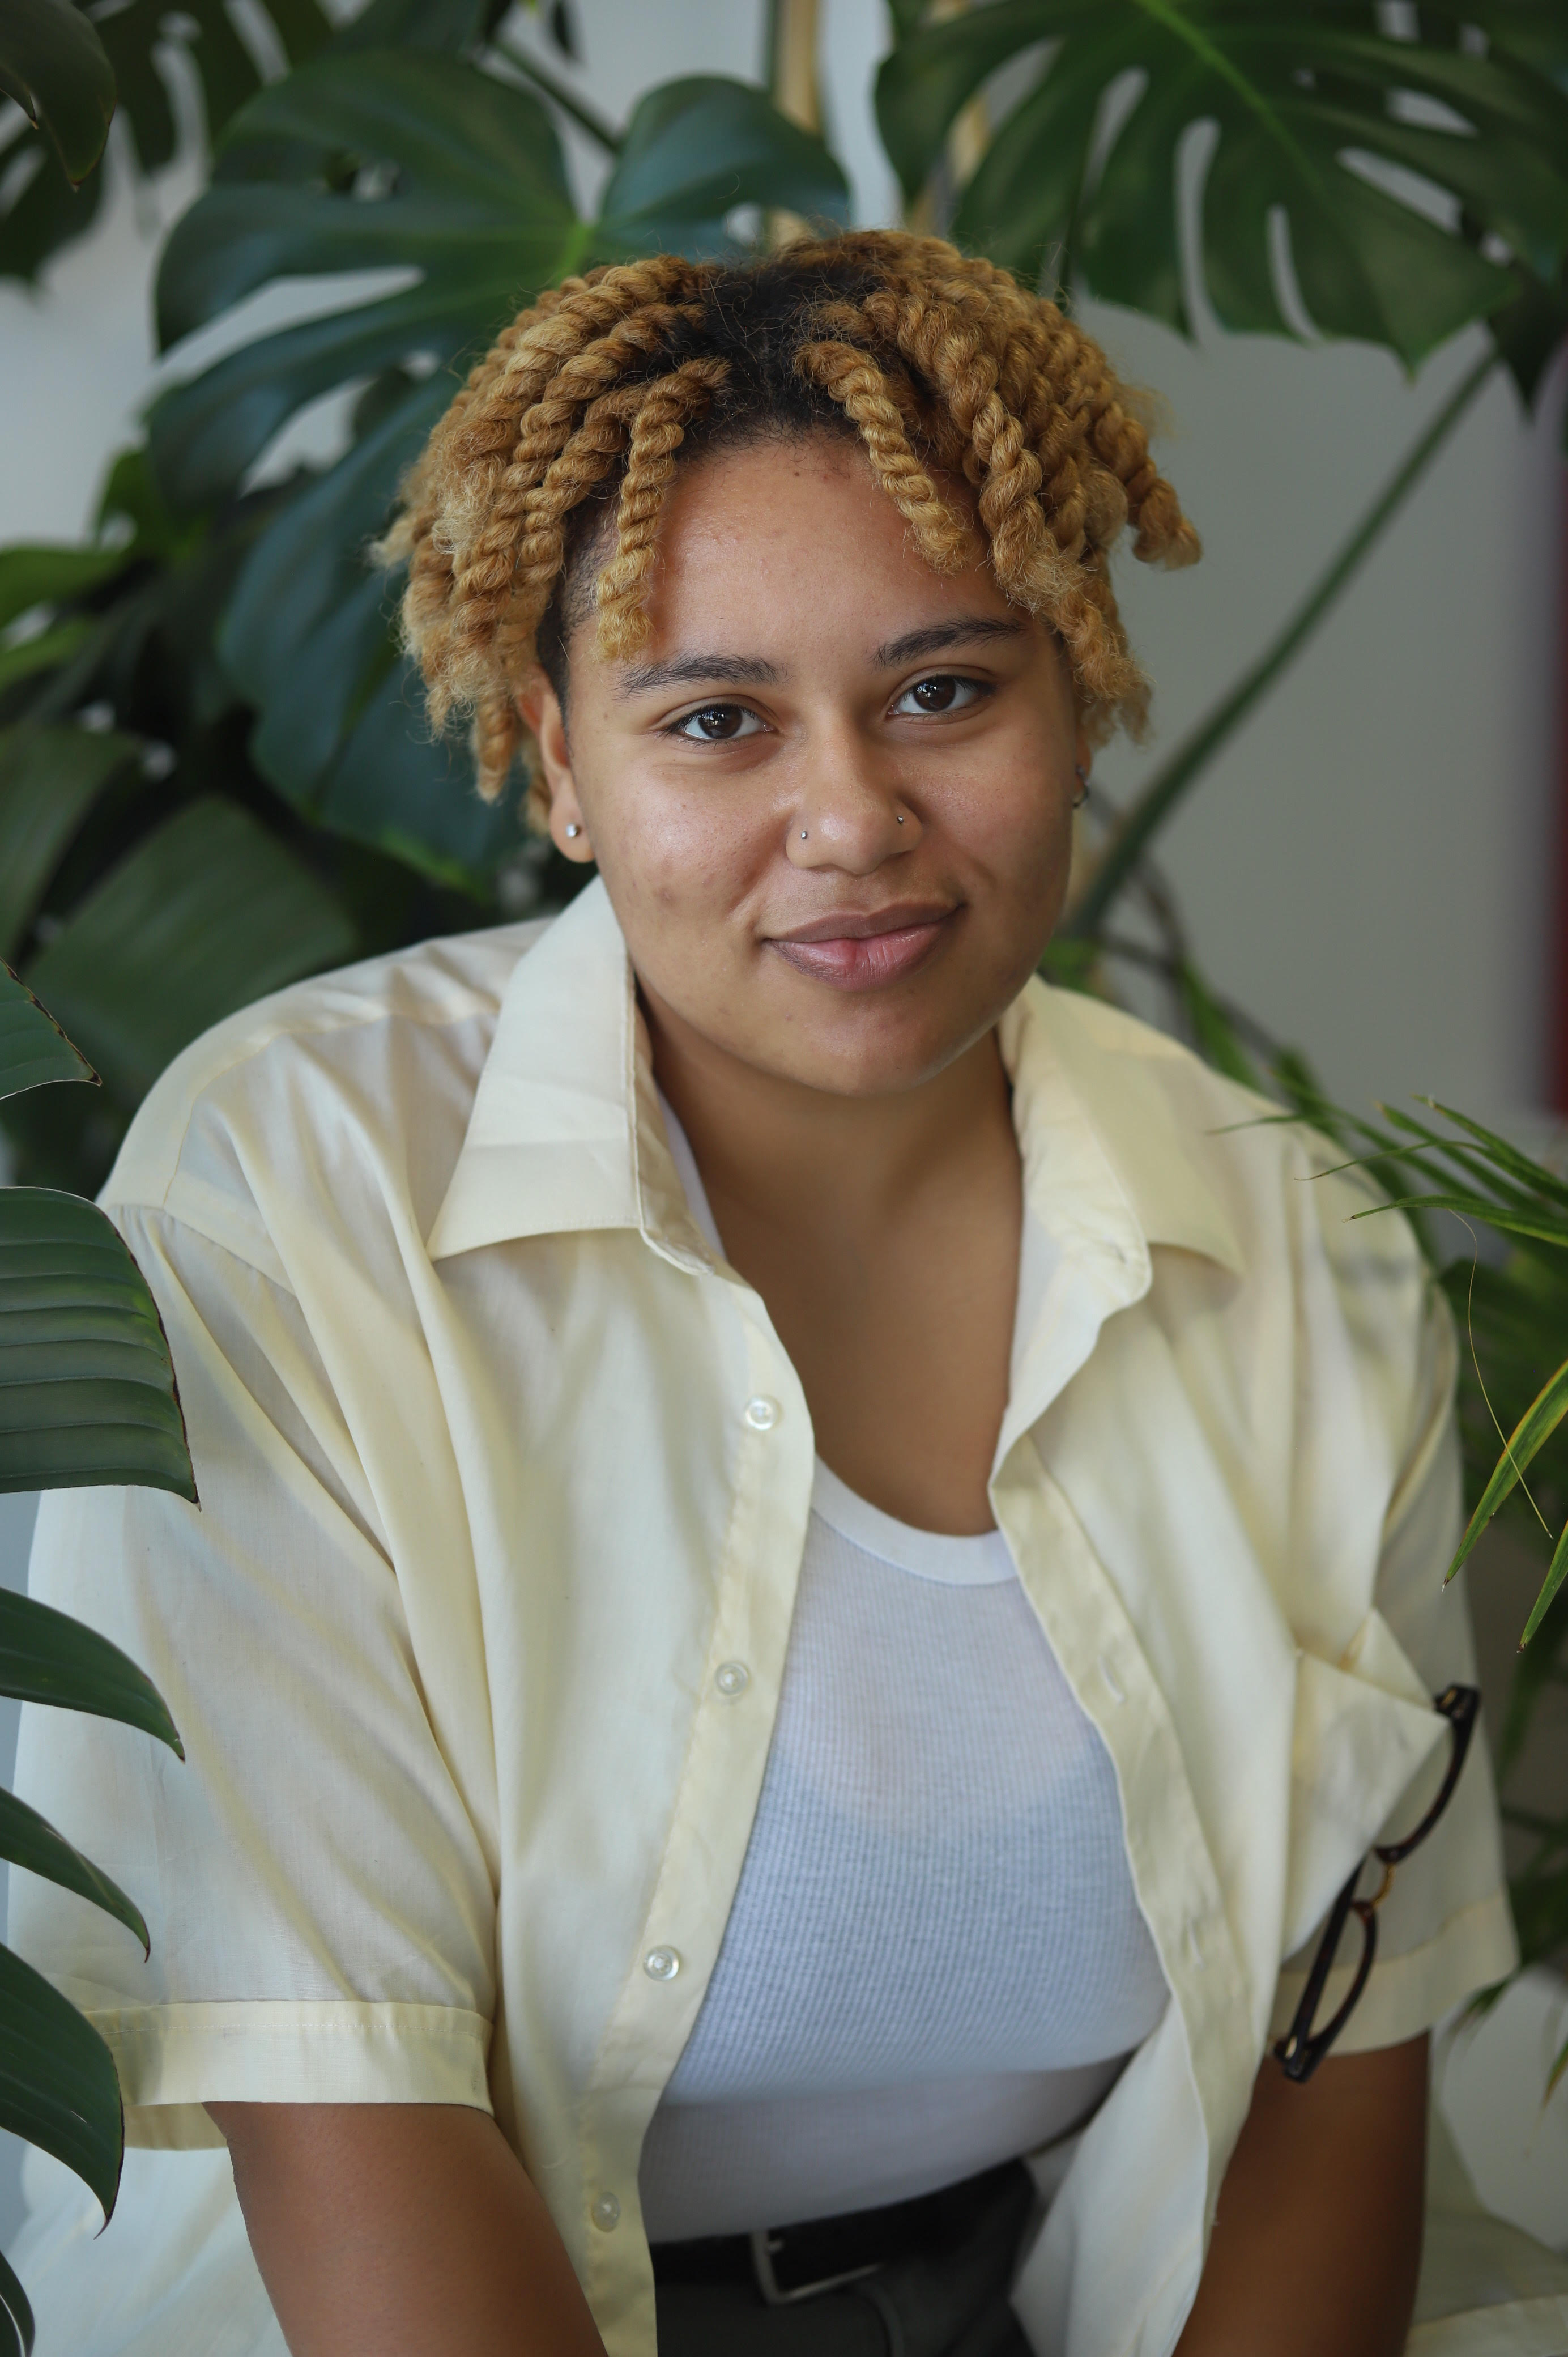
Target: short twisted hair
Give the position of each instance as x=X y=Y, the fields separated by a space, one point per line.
x=940 y=365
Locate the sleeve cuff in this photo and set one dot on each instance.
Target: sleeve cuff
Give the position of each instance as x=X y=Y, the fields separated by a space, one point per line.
x=173 y=2060
x=1407 y=1994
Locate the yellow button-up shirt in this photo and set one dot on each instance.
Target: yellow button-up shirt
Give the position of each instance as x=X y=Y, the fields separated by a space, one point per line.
x=502 y=1474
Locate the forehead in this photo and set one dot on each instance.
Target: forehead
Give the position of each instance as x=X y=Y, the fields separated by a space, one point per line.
x=794 y=535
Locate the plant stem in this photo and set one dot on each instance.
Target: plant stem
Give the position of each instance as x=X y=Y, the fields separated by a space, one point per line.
x=584 y=116
x=793 y=39
x=1149 y=814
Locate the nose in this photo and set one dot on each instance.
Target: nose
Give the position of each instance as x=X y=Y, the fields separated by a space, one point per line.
x=848 y=813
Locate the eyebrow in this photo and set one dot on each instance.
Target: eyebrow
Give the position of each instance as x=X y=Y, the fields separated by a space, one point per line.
x=699 y=671
x=937 y=636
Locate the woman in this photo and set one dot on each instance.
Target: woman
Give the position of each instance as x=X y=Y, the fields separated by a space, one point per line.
x=814 y=1561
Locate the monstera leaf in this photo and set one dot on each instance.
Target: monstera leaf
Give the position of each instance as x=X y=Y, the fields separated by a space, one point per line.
x=1419 y=182
x=453 y=177
x=55 y=67
x=87 y=1394
x=39 y=211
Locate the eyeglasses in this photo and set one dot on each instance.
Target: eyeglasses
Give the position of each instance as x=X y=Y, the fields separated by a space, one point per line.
x=1302 y=2048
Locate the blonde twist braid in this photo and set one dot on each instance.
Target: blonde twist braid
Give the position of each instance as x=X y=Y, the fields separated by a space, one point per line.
x=657 y=429
x=853 y=380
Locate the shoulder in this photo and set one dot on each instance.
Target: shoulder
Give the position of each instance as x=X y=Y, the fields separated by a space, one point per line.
x=1203 y=1156
x=1272 y=1260
x=372 y=1068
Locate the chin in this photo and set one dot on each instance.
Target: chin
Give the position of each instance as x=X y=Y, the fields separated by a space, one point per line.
x=873 y=1068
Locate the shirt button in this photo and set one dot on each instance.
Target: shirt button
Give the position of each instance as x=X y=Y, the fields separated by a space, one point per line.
x=605 y=2212
x=732 y=1678
x=661 y=1964
x=762 y=1412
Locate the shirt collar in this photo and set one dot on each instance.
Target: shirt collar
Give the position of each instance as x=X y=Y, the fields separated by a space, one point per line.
x=566 y=1134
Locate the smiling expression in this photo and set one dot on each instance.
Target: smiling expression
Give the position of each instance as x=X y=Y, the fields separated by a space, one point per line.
x=831 y=801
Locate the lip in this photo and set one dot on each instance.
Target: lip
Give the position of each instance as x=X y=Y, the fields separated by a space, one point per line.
x=864 y=949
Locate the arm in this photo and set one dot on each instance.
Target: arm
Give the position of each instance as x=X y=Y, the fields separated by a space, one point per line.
x=388 y=2230
x=1317 y=2241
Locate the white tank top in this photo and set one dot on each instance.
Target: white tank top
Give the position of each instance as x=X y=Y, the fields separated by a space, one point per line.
x=935 y=1959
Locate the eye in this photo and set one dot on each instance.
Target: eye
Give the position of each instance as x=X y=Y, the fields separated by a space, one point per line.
x=716 y=723
x=942 y=692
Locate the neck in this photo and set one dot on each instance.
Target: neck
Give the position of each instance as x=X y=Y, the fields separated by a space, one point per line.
x=796 y=1157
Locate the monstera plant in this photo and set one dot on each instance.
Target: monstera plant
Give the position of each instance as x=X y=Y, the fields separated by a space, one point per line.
x=87 y=1394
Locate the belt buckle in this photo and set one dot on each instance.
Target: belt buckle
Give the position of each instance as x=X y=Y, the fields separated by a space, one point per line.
x=765 y=2247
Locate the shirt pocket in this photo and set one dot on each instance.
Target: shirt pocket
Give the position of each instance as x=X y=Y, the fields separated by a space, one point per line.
x=1363 y=1730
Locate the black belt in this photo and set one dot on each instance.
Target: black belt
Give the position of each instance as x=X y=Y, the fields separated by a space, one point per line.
x=784 y=2264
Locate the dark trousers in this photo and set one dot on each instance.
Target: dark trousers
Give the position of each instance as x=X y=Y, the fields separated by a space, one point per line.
x=947 y=2300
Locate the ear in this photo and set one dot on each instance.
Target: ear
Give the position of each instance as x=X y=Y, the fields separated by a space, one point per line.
x=541 y=709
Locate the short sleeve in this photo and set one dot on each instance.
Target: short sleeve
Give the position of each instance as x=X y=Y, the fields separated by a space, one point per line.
x=321 y=1911
x=1444 y=1929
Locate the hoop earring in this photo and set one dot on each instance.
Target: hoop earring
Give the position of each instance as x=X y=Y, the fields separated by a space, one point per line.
x=1081 y=774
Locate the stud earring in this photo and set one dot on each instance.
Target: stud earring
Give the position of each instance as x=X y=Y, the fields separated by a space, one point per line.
x=573 y=830
x=1081 y=774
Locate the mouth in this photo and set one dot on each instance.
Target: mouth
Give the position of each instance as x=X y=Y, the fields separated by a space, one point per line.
x=864 y=951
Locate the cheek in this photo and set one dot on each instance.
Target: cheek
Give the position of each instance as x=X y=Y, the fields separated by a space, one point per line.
x=673 y=852
x=1014 y=812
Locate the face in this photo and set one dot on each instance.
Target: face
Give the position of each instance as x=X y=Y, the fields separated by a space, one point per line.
x=830 y=796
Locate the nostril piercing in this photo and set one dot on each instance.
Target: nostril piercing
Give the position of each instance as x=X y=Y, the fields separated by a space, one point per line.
x=803 y=834
x=900 y=818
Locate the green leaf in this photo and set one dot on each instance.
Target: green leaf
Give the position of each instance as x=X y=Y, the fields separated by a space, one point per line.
x=1540 y=1420
x=87 y=1390
x=1534 y=1175
x=36 y=574
x=1216 y=1039
x=58 y=2084
x=49 y=780
x=1070 y=962
x=379 y=159
x=48 y=1657
x=18 y=2312
x=138 y=39
x=208 y=913
x=30 y=1841
x=54 y=65
x=1556 y=1572
x=33 y=1047
x=1313 y=119
x=1467 y=1207
x=695 y=149
x=45 y=652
